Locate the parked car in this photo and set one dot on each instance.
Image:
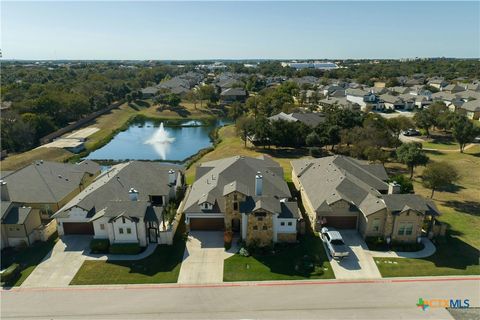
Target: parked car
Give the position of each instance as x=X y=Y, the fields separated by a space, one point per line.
x=335 y=244
x=477 y=139
x=411 y=132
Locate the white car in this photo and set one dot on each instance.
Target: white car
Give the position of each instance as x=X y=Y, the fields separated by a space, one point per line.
x=336 y=246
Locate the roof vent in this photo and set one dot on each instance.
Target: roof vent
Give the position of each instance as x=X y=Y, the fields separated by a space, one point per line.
x=60 y=176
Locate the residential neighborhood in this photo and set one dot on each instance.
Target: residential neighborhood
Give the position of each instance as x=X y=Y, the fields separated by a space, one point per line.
x=240 y=160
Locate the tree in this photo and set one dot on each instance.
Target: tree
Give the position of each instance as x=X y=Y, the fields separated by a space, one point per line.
x=397 y=125
x=245 y=126
x=412 y=155
x=262 y=131
x=423 y=119
x=192 y=96
x=208 y=92
x=406 y=185
x=236 y=110
x=439 y=175
x=376 y=154
x=464 y=131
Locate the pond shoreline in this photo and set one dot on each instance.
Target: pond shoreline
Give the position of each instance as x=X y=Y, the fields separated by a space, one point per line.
x=140 y=120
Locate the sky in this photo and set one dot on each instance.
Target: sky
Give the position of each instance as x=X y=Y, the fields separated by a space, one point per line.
x=130 y=30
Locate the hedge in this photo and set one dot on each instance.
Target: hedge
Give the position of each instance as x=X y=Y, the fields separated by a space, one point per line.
x=99 y=245
x=10 y=273
x=125 y=248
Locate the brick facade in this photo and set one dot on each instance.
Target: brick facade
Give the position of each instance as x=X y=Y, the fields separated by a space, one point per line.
x=259 y=228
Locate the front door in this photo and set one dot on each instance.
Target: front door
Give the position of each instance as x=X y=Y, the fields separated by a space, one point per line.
x=152 y=235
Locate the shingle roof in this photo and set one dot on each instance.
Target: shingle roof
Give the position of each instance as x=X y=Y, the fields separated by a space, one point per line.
x=400 y=202
x=330 y=179
x=17 y=215
x=217 y=176
x=472 y=105
x=309 y=118
x=46 y=181
x=233 y=92
x=148 y=178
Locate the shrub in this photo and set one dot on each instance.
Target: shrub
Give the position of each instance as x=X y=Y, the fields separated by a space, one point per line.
x=125 y=248
x=406 y=185
x=316 y=152
x=10 y=273
x=99 y=245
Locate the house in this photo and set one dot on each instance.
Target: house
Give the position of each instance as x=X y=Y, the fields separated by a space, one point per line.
x=149 y=92
x=471 y=109
x=346 y=193
x=399 y=90
x=334 y=91
x=392 y=102
x=364 y=99
x=29 y=196
x=453 y=88
x=438 y=83
x=244 y=195
x=309 y=119
x=233 y=94
x=125 y=204
x=341 y=102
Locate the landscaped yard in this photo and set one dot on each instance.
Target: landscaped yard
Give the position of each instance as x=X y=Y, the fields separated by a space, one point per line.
x=284 y=264
x=28 y=258
x=460 y=208
x=163 y=266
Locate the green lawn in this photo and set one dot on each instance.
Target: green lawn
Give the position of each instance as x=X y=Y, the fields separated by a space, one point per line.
x=441 y=146
x=453 y=257
x=28 y=258
x=282 y=264
x=460 y=209
x=163 y=266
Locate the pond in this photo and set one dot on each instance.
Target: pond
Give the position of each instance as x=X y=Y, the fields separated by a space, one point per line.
x=158 y=140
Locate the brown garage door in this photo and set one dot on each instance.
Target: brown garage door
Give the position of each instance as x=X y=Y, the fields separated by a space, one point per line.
x=206 y=224
x=344 y=222
x=77 y=228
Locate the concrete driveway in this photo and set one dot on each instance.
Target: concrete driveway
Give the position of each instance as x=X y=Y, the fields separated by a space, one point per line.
x=203 y=258
x=359 y=264
x=60 y=266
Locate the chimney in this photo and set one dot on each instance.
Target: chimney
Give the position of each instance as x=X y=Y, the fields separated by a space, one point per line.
x=5 y=196
x=393 y=188
x=171 y=177
x=258 y=184
x=133 y=194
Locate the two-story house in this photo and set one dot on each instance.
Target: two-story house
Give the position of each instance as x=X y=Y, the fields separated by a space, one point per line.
x=124 y=204
x=244 y=195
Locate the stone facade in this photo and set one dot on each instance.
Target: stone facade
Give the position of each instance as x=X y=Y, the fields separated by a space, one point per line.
x=230 y=211
x=259 y=228
x=287 y=237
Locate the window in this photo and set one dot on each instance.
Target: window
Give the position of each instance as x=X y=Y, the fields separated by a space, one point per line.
x=11 y=229
x=405 y=229
x=264 y=228
x=282 y=223
x=123 y=220
x=18 y=229
x=260 y=218
x=120 y=230
x=235 y=197
x=255 y=228
x=102 y=226
x=235 y=206
x=290 y=223
x=129 y=231
x=205 y=205
x=376 y=224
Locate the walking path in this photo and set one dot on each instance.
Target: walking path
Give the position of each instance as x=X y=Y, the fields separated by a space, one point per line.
x=428 y=250
x=124 y=257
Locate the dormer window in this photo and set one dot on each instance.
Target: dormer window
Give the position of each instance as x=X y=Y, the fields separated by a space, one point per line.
x=235 y=197
x=205 y=205
x=235 y=206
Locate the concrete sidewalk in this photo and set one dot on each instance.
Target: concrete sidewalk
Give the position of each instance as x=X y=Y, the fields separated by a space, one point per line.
x=124 y=257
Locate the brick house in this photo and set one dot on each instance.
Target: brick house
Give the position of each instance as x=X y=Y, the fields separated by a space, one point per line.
x=244 y=195
x=346 y=193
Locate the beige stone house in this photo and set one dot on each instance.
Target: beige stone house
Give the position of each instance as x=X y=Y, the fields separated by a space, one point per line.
x=244 y=195
x=31 y=194
x=346 y=193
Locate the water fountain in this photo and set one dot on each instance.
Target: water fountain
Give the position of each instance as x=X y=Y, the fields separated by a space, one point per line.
x=161 y=141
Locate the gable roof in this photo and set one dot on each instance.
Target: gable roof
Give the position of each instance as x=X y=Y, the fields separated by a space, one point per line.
x=233 y=92
x=342 y=178
x=47 y=181
x=16 y=215
x=148 y=178
x=397 y=203
x=472 y=106
x=220 y=177
x=309 y=118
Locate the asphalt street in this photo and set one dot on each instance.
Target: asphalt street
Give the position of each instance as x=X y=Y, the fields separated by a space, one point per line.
x=334 y=299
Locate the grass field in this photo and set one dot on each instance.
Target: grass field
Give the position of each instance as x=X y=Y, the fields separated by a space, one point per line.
x=28 y=258
x=231 y=145
x=284 y=264
x=460 y=208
